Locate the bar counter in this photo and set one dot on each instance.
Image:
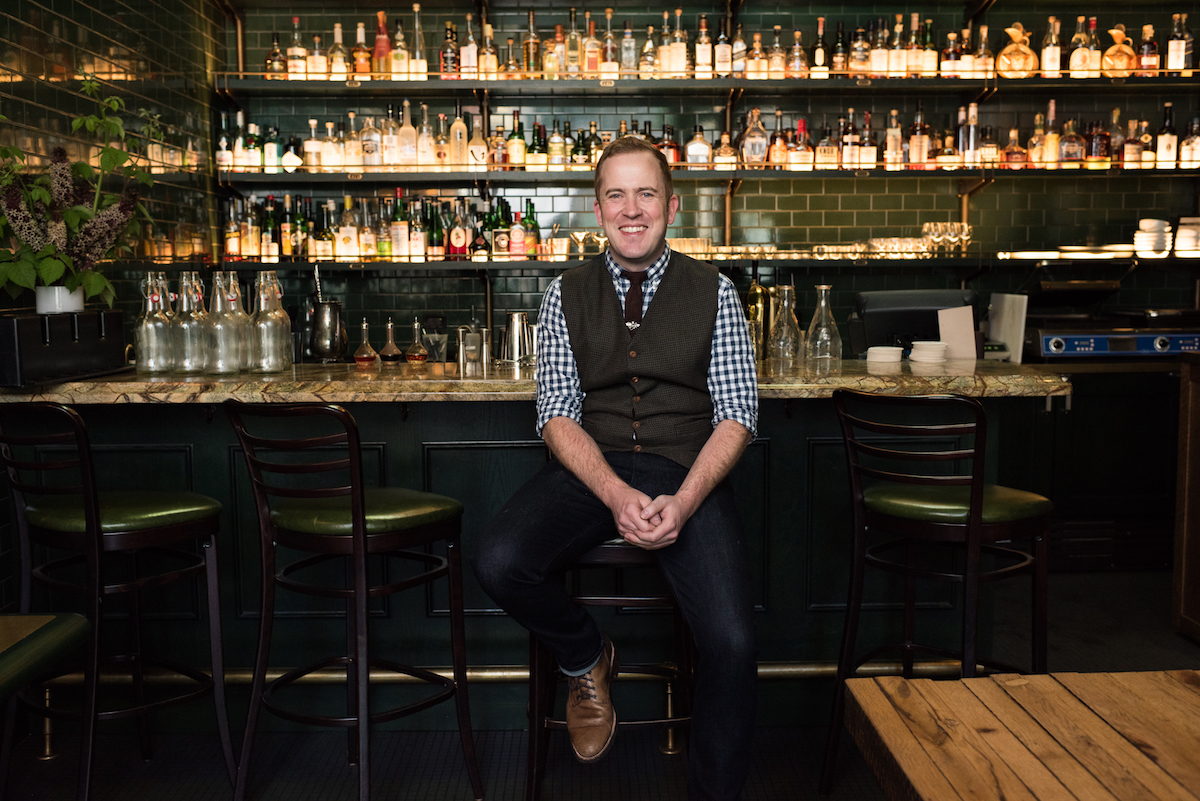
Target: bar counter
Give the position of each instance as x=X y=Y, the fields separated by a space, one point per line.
x=342 y=383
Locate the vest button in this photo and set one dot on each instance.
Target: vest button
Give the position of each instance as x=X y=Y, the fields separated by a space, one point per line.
x=637 y=424
x=634 y=379
x=637 y=448
x=637 y=398
x=633 y=354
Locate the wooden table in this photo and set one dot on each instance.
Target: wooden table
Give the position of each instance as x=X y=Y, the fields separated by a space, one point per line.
x=1085 y=736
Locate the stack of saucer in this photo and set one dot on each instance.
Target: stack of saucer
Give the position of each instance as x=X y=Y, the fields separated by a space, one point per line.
x=1187 y=240
x=884 y=353
x=1152 y=237
x=928 y=352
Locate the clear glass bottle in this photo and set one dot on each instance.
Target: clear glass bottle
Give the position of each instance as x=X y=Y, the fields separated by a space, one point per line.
x=725 y=157
x=276 y=65
x=189 y=326
x=698 y=152
x=270 y=328
x=233 y=289
x=338 y=58
x=785 y=344
x=1017 y=59
x=226 y=332
x=1014 y=157
x=152 y=336
x=417 y=355
x=755 y=142
x=823 y=342
x=365 y=357
x=398 y=58
x=389 y=355
x=418 y=67
x=648 y=62
x=797 y=61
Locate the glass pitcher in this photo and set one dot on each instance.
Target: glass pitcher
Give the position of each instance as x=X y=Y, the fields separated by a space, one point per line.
x=823 y=342
x=227 y=333
x=152 y=337
x=270 y=328
x=785 y=346
x=189 y=326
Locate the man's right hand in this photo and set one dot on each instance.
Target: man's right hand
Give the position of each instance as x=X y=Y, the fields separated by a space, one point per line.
x=627 y=504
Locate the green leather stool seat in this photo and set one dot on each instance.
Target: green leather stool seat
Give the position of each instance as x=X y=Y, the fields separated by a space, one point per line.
x=121 y=510
x=952 y=504
x=388 y=509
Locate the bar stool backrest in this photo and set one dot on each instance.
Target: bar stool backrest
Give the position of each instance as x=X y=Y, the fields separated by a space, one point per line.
x=929 y=440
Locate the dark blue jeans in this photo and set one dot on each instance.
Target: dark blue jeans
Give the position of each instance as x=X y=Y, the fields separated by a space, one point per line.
x=554 y=519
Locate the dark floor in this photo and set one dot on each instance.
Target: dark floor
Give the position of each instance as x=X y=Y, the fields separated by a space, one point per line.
x=1099 y=621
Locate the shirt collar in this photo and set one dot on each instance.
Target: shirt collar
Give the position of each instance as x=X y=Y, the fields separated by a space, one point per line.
x=653 y=273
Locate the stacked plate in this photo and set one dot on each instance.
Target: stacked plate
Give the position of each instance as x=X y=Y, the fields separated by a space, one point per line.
x=1187 y=241
x=1153 y=237
x=928 y=352
x=884 y=353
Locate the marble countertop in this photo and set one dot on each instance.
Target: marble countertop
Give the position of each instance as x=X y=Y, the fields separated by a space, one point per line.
x=342 y=383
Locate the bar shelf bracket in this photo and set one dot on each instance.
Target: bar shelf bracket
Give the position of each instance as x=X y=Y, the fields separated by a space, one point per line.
x=968 y=188
x=974 y=9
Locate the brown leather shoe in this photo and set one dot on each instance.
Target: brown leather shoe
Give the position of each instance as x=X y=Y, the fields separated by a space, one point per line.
x=591 y=719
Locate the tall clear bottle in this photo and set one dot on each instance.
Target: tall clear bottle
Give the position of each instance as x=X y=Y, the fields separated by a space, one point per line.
x=233 y=288
x=226 y=331
x=189 y=326
x=152 y=337
x=823 y=344
x=270 y=328
x=785 y=344
x=418 y=67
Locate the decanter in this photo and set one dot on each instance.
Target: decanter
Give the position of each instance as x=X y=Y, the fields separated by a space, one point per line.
x=1119 y=60
x=823 y=342
x=1017 y=59
x=754 y=144
x=389 y=354
x=365 y=357
x=785 y=345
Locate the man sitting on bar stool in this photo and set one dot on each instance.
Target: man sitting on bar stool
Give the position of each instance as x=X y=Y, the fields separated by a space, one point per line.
x=645 y=413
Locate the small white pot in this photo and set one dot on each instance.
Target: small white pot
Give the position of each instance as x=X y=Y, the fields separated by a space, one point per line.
x=57 y=300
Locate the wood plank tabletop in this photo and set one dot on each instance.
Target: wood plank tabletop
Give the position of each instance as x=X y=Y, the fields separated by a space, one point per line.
x=1069 y=736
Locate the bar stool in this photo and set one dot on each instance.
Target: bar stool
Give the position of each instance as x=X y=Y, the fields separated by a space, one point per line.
x=111 y=536
x=311 y=497
x=616 y=555
x=908 y=491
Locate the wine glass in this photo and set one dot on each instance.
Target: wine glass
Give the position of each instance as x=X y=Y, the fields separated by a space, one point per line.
x=937 y=234
x=580 y=237
x=966 y=236
x=953 y=234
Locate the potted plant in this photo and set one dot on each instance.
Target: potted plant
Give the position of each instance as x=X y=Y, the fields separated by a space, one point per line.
x=60 y=221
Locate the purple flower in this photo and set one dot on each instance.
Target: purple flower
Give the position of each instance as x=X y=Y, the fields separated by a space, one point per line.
x=98 y=234
x=29 y=229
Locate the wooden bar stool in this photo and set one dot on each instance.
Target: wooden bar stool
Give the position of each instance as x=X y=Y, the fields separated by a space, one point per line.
x=310 y=496
x=917 y=479
x=119 y=543
x=615 y=555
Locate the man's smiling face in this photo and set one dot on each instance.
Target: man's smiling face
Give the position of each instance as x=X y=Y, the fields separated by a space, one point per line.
x=634 y=210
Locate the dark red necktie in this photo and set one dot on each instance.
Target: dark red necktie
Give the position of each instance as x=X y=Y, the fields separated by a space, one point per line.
x=633 y=299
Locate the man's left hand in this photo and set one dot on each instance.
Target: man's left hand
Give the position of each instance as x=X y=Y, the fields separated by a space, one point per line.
x=667 y=514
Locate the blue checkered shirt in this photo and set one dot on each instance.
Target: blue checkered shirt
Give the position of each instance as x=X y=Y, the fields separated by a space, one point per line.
x=732 y=379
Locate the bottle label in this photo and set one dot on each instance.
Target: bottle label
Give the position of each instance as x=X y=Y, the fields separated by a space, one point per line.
x=1080 y=60
x=1176 y=50
x=1051 y=58
x=458 y=238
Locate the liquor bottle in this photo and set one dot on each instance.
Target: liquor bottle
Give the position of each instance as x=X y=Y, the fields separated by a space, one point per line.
x=554 y=55
x=800 y=152
x=480 y=248
x=533 y=231
x=797 y=62
x=868 y=148
x=337 y=57
x=497 y=150
x=333 y=154
x=458 y=140
x=383 y=230
x=698 y=152
x=593 y=143
x=272 y=152
x=951 y=61
x=1071 y=147
x=352 y=149
x=297 y=54
x=1036 y=154
x=1148 y=54
x=477 y=149
x=591 y=49
x=448 y=54
x=723 y=54
x=610 y=53
x=367 y=226
x=1189 y=149
x=345 y=247
x=1051 y=51
x=1099 y=148
x=1094 y=53
x=1052 y=137
x=489 y=59
x=365 y=357
x=313 y=149
x=389 y=141
x=408 y=140
x=930 y=54
x=371 y=138
x=398 y=64
x=851 y=142
x=915 y=50
x=629 y=53
x=966 y=67
x=971 y=139
x=989 y=148
x=1166 y=141
x=511 y=71
x=858 y=60
x=754 y=142
x=704 y=51
x=985 y=62
x=1014 y=157
x=574 y=49
x=557 y=156
x=326 y=234
x=441 y=146
x=276 y=65
x=426 y=144
x=1149 y=143
x=435 y=233
x=648 y=60
x=224 y=154
x=515 y=146
x=1179 y=48
x=919 y=151
x=468 y=54
x=416 y=233
x=777 y=147
x=1116 y=137
x=678 y=49
x=737 y=54
x=819 y=62
x=756 y=60
x=948 y=157
x=725 y=157
x=1080 y=50
x=317 y=65
x=839 y=56
x=880 y=47
x=531 y=49
x=381 y=55
x=458 y=240
x=399 y=228
x=536 y=157
x=417 y=355
x=826 y=156
x=897 y=53
x=418 y=67
x=893 y=143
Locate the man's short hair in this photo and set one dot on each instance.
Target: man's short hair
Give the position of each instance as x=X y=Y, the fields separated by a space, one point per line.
x=631 y=144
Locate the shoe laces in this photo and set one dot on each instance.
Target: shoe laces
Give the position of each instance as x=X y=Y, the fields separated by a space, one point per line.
x=583 y=687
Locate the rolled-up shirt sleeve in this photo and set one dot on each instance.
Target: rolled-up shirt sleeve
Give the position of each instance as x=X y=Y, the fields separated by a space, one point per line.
x=557 y=374
x=732 y=377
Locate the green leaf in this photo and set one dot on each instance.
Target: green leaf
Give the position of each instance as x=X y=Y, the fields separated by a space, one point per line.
x=22 y=273
x=85 y=170
x=111 y=158
x=94 y=283
x=39 y=194
x=50 y=270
